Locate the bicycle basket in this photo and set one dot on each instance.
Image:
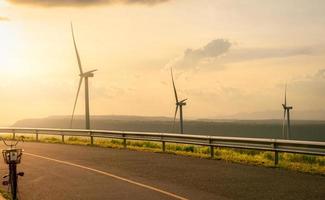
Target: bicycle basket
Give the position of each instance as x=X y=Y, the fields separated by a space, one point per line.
x=12 y=156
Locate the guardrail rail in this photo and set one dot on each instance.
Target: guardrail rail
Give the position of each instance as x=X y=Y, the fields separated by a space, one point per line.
x=262 y=144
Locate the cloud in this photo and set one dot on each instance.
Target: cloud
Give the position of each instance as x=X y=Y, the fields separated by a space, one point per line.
x=317 y=76
x=4 y=18
x=320 y=74
x=310 y=86
x=220 y=52
x=109 y=92
x=205 y=55
x=218 y=91
x=248 y=54
x=62 y=3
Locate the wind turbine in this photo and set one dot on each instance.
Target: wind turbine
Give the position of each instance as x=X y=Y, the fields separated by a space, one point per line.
x=179 y=104
x=83 y=75
x=286 y=109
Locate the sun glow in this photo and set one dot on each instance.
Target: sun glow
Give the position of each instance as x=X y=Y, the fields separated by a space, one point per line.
x=3 y=4
x=11 y=63
x=132 y=44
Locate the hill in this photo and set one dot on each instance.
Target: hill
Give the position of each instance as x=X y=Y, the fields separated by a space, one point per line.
x=301 y=129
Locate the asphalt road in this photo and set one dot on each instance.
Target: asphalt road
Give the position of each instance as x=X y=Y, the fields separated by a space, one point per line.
x=57 y=171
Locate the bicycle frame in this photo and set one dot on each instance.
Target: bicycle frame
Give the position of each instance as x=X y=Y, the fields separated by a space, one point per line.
x=12 y=157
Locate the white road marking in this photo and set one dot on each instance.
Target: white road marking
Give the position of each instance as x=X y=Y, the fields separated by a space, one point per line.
x=110 y=175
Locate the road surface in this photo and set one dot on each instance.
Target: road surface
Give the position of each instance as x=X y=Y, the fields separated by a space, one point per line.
x=57 y=171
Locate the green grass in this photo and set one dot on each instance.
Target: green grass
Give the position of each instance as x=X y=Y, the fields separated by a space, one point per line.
x=290 y=161
x=5 y=194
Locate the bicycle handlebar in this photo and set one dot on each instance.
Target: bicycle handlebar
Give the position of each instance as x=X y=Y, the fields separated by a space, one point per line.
x=21 y=138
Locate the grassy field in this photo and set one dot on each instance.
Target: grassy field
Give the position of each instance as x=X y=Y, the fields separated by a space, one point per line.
x=290 y=161
x=4 y=194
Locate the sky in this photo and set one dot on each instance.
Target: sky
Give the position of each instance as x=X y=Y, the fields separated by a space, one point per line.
x=228 y=56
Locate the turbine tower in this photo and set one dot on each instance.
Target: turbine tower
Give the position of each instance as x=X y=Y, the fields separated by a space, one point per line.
x=286 y=108
x=179 y=104
x=83 y=75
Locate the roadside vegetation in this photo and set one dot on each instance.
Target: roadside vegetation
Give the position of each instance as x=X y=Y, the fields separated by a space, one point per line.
x=290 y=161
x=4 y=194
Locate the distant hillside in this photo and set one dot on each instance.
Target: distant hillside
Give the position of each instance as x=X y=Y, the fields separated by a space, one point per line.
x=302 y=129
x=115 y=117
x=278 y=114
x=109 y=122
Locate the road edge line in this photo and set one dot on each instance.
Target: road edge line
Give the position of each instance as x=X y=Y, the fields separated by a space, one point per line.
x=110 y=175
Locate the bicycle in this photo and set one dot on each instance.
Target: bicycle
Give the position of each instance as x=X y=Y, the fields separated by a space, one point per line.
x=12 y=157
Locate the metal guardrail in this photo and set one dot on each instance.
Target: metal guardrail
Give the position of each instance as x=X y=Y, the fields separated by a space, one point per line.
x=273 y=145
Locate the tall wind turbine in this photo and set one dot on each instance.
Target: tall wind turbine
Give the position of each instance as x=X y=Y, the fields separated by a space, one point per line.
x=286 y=108
x=179 y=104
x=83 y=75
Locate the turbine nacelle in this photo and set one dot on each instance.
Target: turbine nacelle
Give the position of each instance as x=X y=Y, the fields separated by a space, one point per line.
x=88 y=74
x=181 y=103
x=287 y=107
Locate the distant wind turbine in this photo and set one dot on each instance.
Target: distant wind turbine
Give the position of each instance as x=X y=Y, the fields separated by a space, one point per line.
x=83 y=75
x=286 y=108
x=179 y=104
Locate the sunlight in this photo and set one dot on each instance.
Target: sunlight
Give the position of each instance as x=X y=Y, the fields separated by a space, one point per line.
x=10 y=64
x=3 y=3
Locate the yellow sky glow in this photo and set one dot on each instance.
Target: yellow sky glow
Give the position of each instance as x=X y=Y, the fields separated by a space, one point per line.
x=131 y=45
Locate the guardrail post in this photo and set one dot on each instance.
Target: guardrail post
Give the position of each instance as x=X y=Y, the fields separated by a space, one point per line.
x=91 y=138
x=36 y=133
x=163 y=146
x=276 y=157
x=211 y=148
x=124 y=141
x=62 y=135
x=13 y=134
x=276 y=154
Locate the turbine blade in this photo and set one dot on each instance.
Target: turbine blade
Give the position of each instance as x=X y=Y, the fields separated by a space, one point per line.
x=75 y=102
x=285 y=95
x=91 y=71
x=175 y=115
x=171 y=70
x=183 y=100
x=75 y=47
